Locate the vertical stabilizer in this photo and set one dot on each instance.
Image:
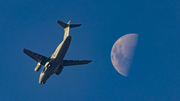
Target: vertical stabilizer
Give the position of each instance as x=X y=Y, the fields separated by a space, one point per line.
x=66 y=30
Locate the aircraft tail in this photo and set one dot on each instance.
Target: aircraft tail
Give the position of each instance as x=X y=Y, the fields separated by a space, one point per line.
x=67 y=26
x=64 y=25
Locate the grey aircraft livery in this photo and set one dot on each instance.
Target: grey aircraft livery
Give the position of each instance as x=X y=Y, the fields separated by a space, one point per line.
x=55 y=63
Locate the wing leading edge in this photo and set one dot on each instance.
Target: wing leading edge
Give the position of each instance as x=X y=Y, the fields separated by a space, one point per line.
x=75 y=62
x=39 y=58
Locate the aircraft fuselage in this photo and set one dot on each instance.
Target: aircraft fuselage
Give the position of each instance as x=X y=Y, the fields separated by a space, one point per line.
x=55 y=63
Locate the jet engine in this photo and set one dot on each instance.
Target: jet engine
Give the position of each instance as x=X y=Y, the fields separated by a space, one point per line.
x=59 y=70
x=37 y=68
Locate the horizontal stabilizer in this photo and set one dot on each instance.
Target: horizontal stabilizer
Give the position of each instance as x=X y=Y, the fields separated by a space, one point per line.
x=64 y=25
x=74 y=25
x=75 y=62
x=39 y=58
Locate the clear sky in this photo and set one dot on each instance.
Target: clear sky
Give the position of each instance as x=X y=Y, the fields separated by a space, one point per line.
x=31 y=24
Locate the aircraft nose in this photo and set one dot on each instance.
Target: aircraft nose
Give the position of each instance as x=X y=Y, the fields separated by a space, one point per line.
x=40 y=78
x=40 y=82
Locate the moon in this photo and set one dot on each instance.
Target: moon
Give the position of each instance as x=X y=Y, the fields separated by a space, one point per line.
x=122 y=53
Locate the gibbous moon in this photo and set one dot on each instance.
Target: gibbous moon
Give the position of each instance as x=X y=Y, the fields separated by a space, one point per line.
x=122 y=53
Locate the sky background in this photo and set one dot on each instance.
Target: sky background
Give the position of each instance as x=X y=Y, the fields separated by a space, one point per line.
x=31 y=24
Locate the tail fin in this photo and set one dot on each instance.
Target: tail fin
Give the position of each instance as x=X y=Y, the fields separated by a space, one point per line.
x=67 y=27
x=64 y=25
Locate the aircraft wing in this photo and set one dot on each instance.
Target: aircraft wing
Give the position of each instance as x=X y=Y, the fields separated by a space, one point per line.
x=75 y=62
x=39 y=58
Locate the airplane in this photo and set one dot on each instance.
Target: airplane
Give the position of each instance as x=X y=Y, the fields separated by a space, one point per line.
x=55 y=63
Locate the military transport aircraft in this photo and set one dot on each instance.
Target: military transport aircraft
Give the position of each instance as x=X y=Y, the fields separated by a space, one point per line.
x=55 y=63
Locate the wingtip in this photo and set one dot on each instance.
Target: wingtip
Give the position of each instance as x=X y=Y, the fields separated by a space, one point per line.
x=24 y=49
x=90 y=61
x=57 y=21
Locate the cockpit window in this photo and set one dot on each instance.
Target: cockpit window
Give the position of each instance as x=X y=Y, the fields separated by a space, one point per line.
x=49 y=65
x=43 y=70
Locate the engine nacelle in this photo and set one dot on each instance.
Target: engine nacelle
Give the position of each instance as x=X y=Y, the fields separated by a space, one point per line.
x=59 y=70
x=37 y=68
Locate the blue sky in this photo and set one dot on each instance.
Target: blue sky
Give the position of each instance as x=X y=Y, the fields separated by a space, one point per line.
x=31 y=24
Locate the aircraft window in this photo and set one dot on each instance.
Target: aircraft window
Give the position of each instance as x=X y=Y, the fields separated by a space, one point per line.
x=43 y=69
x=49 y=65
